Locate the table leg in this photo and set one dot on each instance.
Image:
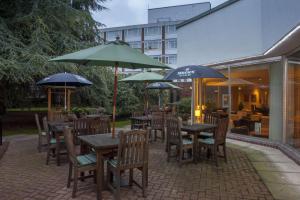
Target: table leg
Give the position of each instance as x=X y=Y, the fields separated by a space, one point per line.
x=57 y=148
x=100 y=174
x=195 y=148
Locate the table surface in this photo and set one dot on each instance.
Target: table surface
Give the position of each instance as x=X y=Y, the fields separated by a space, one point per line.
x=58 y=126
x=100 y=141
x=97 y=115
x=197 y=127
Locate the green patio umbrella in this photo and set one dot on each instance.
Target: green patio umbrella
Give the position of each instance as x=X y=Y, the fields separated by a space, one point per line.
x=112 y=54
x=146 y=78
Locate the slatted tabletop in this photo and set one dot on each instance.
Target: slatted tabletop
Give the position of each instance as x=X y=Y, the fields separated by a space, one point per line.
x=100 y=141
x=197 y=128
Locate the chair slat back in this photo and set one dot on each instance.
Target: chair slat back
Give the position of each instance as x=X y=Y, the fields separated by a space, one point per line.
x=69 y=140
x=221 y=130
x=58 y=116
x=82 y=126
x=210 y=118
x=100 y=125
x=46 y=128
x=174 y=129
x=133 y=149
x=137 y=114
x=37 y=121
x=157 y=120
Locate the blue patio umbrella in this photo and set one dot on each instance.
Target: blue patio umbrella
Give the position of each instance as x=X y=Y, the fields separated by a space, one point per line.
x=162 y=86
x=193 y=72
x=65 y=80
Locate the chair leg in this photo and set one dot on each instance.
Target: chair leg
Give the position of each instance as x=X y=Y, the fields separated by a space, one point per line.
x=118 y=184
x=75 y=182
x=70 y=174
x=155 y=135
x=58 y=155
x=95 y=176
x=144 y=182
x=168 y=152
x=224 y=152
x=130 y=177
x=180 y=156
x=215 y=152
x=39 y=144
x=162 y=135
x=48 y=156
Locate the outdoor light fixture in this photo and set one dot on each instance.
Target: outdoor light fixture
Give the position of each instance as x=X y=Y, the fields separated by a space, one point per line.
x=198 y=113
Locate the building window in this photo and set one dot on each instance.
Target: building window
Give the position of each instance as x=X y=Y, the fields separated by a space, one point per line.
x=154 y=30
x=134 y=32
x=112 y=35
x=171 y=59
x=171 y=43
x=153 y=44
x=157 y=57
x=171 y=29
x=135 y=45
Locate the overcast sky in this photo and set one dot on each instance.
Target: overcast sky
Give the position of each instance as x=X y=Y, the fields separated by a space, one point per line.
x=129 y=12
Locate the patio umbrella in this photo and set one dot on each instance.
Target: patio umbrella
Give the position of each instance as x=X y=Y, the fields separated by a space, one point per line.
x=193 y=72
x=65 y=80
x=116 y=53
x=162 y=86
x=145 y=77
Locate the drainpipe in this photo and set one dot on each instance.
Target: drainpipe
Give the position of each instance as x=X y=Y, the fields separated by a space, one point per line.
x=229 y=93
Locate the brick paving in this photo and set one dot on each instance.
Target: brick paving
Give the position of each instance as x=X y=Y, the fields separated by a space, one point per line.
x=24 y=175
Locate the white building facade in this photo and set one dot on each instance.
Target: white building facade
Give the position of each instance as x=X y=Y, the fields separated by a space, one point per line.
x=257 y=41
x=158 y=38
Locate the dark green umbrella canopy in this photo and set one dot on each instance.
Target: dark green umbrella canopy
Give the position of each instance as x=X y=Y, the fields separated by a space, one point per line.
x=111 y=53
x=144 y=77
x=117 y=54
x=162 y=86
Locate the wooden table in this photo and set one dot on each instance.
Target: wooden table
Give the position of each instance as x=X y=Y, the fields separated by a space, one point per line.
x=101 y=143
x=57 y=129
x=97 y=116
x=195 y=130
x=145 y=119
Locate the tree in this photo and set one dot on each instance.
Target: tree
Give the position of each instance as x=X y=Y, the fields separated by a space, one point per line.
x=33 y=31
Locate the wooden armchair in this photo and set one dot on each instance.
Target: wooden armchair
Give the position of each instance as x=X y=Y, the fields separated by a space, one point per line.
x=52 y=144
x=133 y=153
x=158 y=124
x=183 y=145
x=218 y=140
x=42 y=135
x=209 y=118
x=136 y=124
x=79 y=163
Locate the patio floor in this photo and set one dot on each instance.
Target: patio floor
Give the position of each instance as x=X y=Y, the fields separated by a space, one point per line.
x=24 y=175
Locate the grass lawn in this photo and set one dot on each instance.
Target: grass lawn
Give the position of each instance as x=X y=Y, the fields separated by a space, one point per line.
x=20 y=131
x=33 y=130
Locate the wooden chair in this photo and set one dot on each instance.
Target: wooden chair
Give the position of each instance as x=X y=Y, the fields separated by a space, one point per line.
x=183 y=145
x=136 y=124
x=209 y=118
x=79 y=163
x=218 y=140
x=132 y=153
x=158 y=124
x=58 y=116
x=42 y=135
x=51 y=143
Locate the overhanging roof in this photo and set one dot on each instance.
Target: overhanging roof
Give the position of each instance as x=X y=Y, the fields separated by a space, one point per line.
x=287 y=45
x=215 y=9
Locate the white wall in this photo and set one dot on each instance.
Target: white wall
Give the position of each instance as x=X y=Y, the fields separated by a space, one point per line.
x=176 y=13
x=234 y=31
x=245 y=28
x=278 y=18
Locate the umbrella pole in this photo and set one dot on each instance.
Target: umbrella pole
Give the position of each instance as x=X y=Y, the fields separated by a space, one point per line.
x=65 y=97
x=115 y=99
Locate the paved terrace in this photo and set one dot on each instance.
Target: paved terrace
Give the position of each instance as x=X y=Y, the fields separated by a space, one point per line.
x=24 y=175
